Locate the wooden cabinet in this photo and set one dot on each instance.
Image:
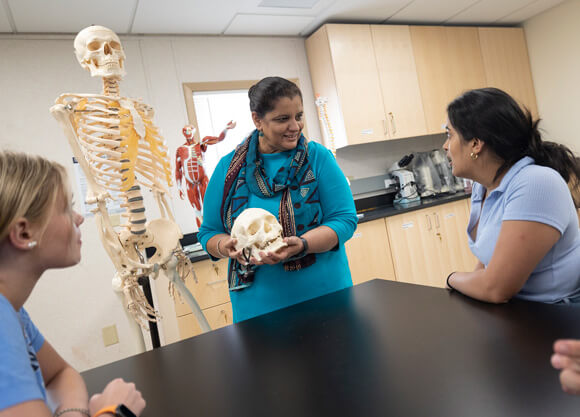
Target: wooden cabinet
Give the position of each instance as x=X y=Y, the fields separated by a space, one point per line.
x=448 y=62
x=344 y=71
x=402 y=104
x=369 y=253
x=394 y=81
x=507 y=65
x=208 y=284
x=428 y=244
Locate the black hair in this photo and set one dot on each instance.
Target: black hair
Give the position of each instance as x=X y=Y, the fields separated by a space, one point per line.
x=495 y=118
x=266 y=92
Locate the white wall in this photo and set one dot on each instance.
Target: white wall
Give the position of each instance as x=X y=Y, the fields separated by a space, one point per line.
x=552 y=39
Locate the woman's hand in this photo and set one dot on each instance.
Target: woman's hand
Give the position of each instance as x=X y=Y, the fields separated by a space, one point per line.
x=118 y=392
x=227 y=247
x=567 y=358
x=294 y=247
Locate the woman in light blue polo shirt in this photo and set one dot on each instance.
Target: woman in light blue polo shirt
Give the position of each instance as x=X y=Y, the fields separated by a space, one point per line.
x=523 y=226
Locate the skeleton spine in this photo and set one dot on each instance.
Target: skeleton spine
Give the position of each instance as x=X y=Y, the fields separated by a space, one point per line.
x=135 y=210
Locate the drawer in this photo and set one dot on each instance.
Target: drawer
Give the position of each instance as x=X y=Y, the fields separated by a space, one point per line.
x=217 y=316
x=209 y=286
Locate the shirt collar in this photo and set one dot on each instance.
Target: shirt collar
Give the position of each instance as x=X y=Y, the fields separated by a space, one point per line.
x=478 y=192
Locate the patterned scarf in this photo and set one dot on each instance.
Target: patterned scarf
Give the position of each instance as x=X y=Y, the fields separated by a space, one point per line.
x=299 y=203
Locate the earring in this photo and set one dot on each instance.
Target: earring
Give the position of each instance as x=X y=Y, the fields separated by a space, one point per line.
x=260 y=133
x=32 y=245
x=473 y=156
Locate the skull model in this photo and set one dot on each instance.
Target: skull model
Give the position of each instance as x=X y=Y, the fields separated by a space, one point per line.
x=257 y=230
x=99 y=50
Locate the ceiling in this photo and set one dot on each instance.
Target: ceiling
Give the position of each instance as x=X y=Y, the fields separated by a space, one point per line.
x=252 y=17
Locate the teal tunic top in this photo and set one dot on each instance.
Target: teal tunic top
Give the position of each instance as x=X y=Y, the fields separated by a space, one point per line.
x=273 y=287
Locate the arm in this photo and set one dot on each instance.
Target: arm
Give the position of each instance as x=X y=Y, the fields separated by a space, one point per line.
x=521 y=245
x=178 y=171
x=566 y=357
x=212 y=140
x=65 y=387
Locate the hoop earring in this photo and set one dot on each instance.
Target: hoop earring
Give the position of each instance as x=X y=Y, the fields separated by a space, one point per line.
x=473 y=156
x=32 y=245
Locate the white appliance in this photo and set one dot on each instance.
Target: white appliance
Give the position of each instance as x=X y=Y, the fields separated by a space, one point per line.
x=405 y=181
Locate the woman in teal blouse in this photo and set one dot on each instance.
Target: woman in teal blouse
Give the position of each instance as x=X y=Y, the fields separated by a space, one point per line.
x=277 y=169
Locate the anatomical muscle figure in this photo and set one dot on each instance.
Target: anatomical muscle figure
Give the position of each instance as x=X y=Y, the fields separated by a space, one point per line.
x=189 y=166
x=120 y=149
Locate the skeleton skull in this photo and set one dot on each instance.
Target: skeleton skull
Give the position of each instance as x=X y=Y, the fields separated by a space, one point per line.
x=256 y=231
x=99 y=50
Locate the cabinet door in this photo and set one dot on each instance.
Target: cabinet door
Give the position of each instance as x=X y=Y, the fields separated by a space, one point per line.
x=399 y=82
x=357 y=82
x=450 y=221
x=414 y=248
x=448 y=62
x=507 y=65
x=369 y=253
x=208 y=285
x=217 y=316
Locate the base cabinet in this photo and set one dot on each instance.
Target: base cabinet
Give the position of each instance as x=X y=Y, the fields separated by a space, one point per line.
x=208 y=284
x=428 y=244
x=369 y=253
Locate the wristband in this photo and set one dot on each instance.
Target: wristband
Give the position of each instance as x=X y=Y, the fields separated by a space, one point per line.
x=119 y=410
x=447 y=280
x=78 y=410
x=217 y=246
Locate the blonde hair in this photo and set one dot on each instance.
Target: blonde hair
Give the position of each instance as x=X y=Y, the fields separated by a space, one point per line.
x=29 y=187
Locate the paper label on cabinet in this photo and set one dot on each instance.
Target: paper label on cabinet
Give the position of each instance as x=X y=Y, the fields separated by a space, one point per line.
x=367 y=132
x=408 y=225
x=357 y=235
x=449 y=215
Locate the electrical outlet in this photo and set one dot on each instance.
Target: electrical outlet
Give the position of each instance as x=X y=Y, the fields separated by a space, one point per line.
x=110 y=336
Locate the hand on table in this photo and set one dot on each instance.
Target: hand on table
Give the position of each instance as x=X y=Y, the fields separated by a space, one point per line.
x=566 y=357
x=118 y=392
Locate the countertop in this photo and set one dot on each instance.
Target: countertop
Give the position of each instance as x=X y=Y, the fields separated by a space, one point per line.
x=380 y=212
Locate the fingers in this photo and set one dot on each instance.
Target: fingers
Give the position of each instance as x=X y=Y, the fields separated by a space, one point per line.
x=565 y=362
x=118 y=392
x=569 y=348
x=570 y=381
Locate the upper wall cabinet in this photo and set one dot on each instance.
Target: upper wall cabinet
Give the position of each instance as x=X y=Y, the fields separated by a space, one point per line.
x=507 y=65
x=390 y=81
x=448 y=63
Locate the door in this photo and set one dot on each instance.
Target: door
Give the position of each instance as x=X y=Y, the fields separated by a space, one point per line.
x=369 y=253
x=399 y=82
x=357 y=82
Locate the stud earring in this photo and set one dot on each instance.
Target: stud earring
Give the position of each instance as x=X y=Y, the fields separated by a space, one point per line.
x=260 y=133
x=473 y=156
x=32 y=245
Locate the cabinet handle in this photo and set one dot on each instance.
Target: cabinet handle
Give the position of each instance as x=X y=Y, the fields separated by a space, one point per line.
x=428 y=222
x=194 y=275
x=393 y=127
x=225 y=315
x=439 y=236
x=386 y=127
x=216 y=269
x=216 y=281
x=436 y=220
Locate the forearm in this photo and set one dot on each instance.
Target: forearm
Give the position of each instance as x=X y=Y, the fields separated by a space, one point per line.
x=67 y=390
x=212 y=245
x=321 y=239
x=477 y=285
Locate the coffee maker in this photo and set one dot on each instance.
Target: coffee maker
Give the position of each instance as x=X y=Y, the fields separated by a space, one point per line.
x=405 y=181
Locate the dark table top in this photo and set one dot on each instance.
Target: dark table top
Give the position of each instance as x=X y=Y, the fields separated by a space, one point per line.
x=378 y=349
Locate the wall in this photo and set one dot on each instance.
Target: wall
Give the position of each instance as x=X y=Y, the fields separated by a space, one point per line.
x=555 y=61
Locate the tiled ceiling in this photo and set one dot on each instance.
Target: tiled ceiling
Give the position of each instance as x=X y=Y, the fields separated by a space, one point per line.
x=252 y=17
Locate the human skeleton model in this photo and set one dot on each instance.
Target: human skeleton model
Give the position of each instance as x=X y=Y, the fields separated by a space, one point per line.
x=189 y=166
x=119 y=149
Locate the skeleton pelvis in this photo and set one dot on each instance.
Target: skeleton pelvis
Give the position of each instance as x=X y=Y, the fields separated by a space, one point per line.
x=166 y=239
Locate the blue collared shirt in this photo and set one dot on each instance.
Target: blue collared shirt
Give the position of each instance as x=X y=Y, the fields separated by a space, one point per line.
x=534 y=193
